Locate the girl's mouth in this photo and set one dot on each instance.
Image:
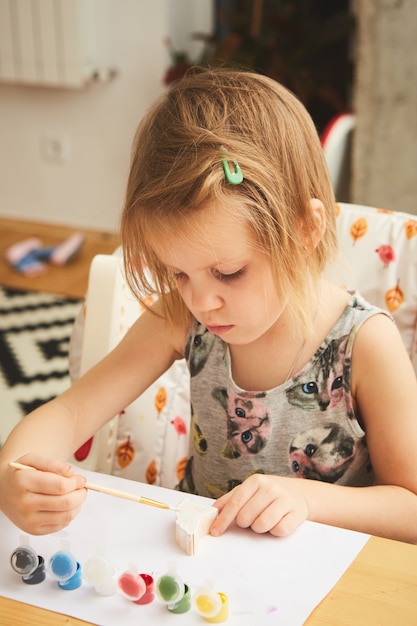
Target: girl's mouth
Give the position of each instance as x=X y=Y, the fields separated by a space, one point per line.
x=219 y=330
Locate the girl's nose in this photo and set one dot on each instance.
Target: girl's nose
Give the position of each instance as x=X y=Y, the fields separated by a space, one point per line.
x=204 y=299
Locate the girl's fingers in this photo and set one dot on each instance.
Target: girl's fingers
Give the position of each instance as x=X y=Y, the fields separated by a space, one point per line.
x=47 y=465
x=263 y=504
x=270 y=517
x=49 y=501
x=288 y=523
x=42 y=523
x=43 y=503
x=49 y=478
x=231 y=505
x=49 y=513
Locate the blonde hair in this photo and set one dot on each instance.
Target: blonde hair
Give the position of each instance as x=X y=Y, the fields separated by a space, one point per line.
x=176 y=169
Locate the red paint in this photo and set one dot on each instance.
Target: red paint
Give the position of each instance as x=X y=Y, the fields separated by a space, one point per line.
x=149 y=594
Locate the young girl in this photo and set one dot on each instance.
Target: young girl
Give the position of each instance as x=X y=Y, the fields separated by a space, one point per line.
x=303 y=394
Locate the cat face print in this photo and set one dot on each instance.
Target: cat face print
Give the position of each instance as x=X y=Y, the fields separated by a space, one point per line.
x=248 y=422
x=198 y=348
x=323 y=453
x=324 y=387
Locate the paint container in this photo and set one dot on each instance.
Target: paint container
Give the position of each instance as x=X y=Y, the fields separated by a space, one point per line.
x=173 y=592
x=211 y=604
x=26 y=562
x=131 y=584
x=140 y=588
x=149 y=594
x=64 y=567
x=99 y=572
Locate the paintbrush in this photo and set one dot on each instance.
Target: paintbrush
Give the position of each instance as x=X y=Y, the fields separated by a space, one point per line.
x=109 y=491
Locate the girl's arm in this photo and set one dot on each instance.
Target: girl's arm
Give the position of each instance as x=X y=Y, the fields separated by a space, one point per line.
x=384 y=388
x=48 y=436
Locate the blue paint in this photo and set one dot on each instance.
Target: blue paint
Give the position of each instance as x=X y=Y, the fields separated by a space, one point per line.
x=66 y=569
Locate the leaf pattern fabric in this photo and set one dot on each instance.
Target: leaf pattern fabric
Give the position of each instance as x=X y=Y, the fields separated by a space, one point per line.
x=378 y=257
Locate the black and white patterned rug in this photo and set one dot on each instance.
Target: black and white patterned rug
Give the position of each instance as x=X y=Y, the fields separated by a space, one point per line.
x=35 y=329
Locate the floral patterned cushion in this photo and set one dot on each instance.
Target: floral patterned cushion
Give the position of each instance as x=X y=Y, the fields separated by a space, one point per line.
x=148 y=440
x=378 y=257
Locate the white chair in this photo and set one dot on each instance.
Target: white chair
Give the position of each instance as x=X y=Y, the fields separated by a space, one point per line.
x=336 y=142
x=148 y=441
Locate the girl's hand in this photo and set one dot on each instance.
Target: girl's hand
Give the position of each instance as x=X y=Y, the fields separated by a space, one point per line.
x=264 y=503
x=44 y=499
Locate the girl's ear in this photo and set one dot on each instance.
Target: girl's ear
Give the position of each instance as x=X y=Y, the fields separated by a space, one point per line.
x=319 y=213
x=313 y=237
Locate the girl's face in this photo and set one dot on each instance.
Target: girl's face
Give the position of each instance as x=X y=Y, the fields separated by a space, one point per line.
x=224 y=280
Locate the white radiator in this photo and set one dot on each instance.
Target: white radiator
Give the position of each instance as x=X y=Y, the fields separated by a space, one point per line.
x=48 y=42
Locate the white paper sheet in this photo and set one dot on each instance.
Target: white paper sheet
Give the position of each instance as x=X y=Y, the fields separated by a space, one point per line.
x=267 y=580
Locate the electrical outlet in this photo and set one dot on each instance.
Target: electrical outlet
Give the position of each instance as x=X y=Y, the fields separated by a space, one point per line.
x=55 y=147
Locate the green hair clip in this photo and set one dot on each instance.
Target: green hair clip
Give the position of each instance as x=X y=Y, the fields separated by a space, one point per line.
x=232 y=171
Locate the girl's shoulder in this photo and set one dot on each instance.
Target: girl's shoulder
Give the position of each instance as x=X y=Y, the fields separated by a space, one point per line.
x=348 y=316
x=340 y=316
x=357 y=311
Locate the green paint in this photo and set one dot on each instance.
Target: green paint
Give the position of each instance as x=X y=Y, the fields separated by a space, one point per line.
x=168 y=588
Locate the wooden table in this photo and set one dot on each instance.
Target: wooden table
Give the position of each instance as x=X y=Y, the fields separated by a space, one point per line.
x=379 y=588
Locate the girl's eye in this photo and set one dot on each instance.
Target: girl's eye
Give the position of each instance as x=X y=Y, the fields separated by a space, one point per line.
x=228 y=278
x=179 y=275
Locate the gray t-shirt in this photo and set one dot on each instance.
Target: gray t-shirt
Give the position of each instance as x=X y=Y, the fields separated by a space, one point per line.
x=304 y=428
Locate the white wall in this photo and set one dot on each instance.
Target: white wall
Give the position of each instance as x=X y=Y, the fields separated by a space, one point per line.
x=385 y=140
x=186 y=17
x=99 y=122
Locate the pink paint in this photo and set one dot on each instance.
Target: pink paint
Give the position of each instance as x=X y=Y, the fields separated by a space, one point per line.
x=132 y=585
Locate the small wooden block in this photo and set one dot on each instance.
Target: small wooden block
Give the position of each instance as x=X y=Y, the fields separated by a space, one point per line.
x=193 y=522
